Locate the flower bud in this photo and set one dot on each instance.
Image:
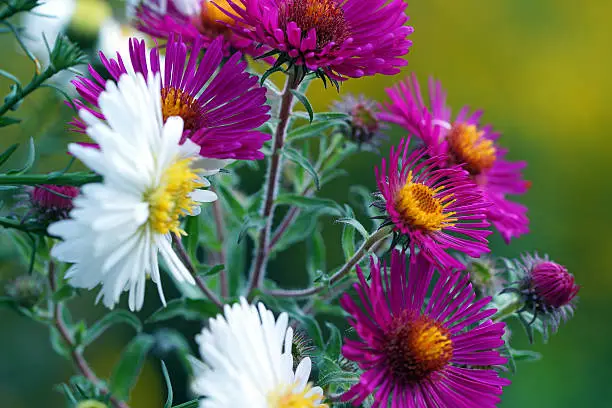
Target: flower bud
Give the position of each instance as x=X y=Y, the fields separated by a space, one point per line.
x=553 y=284
x=51 y=202
x=364 y=124
x=26 y=290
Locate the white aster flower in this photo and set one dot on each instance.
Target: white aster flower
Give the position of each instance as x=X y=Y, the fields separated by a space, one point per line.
x=119 y=226
x=248 y=362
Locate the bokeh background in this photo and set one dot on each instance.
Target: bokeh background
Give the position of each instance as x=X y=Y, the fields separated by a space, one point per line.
x=540 y=69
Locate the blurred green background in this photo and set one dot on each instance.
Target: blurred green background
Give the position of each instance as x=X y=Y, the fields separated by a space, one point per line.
x=541 y=70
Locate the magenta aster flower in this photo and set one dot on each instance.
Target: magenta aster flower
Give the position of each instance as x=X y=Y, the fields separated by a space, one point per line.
x=415 y=352
x=220 y=107
x=50 y=202
x=547 y=290
x=335 y=38
x=192 y=19
x=463 y=141
x=432 y=207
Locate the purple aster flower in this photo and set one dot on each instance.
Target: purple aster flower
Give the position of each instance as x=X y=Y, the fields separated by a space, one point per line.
x=192 y=19
x=220 y=108
x=440 y=352
x=431 y=206
x=463 y=141
x=364 y=124
x=49 y=202
x=547 y=291
x=335 y=38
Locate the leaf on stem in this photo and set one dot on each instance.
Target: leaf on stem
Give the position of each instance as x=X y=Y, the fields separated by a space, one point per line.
x=112 y=318
x=126 y=373
x=304 y=100
x=297 y=157
x=187 y=308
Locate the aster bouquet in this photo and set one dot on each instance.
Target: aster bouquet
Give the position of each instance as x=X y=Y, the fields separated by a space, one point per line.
x=198 y=172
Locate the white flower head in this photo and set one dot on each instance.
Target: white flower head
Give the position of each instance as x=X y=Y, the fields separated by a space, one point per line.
x=248 y=362
x=119 y=226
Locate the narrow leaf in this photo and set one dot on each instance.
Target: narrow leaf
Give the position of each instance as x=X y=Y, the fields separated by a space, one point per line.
x=126 y=373
x=170 y=397
x=334 y=344
x=7 y=121
x=312 y=130
x=7 y=153
x=309 y=203
x=112 y=318
x=296 y=157
x=355 y=224
x=304 y=100
x=187 y=308
x=29 y=161
x=190 y=404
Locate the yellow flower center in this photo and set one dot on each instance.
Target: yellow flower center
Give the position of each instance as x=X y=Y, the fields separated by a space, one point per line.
x=171 y=198
x=416 y=347
x=212 y=19
x=286 y=397
x=175 y=102
x=421 y=208
x=467 y=145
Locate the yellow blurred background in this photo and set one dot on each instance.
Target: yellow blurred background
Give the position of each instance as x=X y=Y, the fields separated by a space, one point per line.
x=541 y=69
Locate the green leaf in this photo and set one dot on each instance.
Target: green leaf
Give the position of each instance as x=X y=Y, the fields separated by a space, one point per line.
x=304 y=100
x=297 y=157
x=312 y=130
x=525 y=355
x=187 y=308
x=63 y=293
x=112 y=318
x=303 y=227
x=348 y=241
x=191 y=241
x=126 y=373
x=235 y=208
x=29 y=161
x=236 y=259
x=309 y=203
x=315 y=261
x=355 y=224
x=168 y=403
x=190 y=404
x=58 y=344
x=8 y=152
x=210 y=270
x=7 y=121
x=323 y=116
x=334 y=343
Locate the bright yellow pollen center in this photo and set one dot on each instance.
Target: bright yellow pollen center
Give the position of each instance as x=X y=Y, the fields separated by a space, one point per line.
x=421 y=209
x=468 y=145
x=285 y=397
x=171 y=199
x=431 y=344
x=175 y=102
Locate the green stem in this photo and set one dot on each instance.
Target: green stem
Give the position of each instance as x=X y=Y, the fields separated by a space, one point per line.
x=508 y=309
x=66 y=179
x=13 y=224
x=363 y=250
x=13 y=99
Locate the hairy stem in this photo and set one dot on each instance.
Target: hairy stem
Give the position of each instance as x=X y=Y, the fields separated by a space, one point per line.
x=66 y=179
x=272 y=183
x=219 y=224
x=182 y=254
x=363 y=250
x=77 y=357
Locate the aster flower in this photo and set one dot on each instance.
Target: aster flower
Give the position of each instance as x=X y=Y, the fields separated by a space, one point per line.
x=248 y=362
x=547 y=292
x=119 y=226
x=432 y=208
x=219 y=111
x=364 y=124
x=337 y=39
x=415 y=352
x=192 y=19
x=50 y=202
x=463 y=141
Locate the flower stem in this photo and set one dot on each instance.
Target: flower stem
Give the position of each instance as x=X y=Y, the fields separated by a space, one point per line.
x=363 y=250
x=182 y=254
x=262 y=249
x=77 y=357
x=25 y=227
x=508 y=308
x=218 y=216
x=66 y=179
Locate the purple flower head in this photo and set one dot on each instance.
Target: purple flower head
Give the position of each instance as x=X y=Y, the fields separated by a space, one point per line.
x=463 y=141
x=432 y=207
x=547 y=291
x=335 y=38
x=220 y=108
x=49 y=202
x=419 y=353
x=192 y=19
x=364 y=124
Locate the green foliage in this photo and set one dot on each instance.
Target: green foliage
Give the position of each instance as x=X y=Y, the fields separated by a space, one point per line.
x=126 y=372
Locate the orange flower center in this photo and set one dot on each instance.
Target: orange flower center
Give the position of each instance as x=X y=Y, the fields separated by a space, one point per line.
x=422 y=207
x=212 y=19
x=176 y=102
x=416 y=347
x=468 y=145
x=325 y=16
